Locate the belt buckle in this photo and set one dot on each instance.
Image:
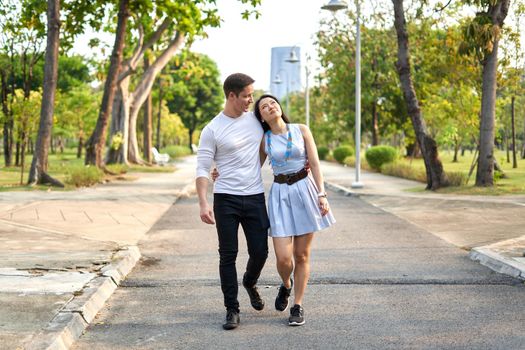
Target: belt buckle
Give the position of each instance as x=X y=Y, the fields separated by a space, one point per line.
x=289 y=180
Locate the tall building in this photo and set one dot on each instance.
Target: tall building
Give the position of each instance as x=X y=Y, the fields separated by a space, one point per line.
x=287 y=73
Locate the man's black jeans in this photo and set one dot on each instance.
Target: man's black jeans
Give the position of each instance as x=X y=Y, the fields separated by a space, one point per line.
x=249 y=211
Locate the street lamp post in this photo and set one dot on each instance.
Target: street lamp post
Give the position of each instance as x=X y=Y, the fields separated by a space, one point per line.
x=294 y=59
x=307 y=96
x=335 y=5
x=277 y=80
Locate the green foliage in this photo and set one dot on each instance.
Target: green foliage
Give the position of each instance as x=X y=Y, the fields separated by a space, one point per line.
x=403 y=170
x=116 y=141
x=341 y=152
x=118 y=168
x=76 y=112
x=456 y=178
x=26 y=112
x=196 y=93
x=376 y=156
x=84 y=176
x=176 y=151
x=322 y=151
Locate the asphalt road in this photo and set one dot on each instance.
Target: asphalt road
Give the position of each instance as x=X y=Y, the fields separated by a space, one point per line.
x=378 y=282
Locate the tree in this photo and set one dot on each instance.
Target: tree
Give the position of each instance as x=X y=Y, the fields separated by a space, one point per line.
x=76 y=113
x=163 y=26
x=96 y=144
x=196 y=94
x=38 y=172
x=25 y=112
x=379 y=84
x=482 y=35
x=21 y=48
x=433 y=166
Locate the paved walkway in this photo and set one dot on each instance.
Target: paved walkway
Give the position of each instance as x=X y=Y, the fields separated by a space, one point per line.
x=490 y=227
x=62 y=254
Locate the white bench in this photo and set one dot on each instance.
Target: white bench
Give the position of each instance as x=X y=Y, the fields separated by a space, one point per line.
x=160 y=158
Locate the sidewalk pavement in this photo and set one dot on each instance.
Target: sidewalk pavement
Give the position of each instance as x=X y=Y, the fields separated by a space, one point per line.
x=62 y=254
x=491 y=228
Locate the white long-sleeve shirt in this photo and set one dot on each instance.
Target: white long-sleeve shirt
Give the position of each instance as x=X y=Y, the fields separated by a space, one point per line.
x=233 y=143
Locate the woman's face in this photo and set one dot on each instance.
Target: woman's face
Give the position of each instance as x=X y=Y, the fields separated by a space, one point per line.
x=269 y=109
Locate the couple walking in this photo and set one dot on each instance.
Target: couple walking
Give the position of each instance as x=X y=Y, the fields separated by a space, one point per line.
x=238 y=142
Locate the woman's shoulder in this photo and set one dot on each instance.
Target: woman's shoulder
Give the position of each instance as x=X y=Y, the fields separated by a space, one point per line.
x=302 y=127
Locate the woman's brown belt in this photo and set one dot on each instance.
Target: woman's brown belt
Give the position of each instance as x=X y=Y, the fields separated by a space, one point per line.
x=290 y=178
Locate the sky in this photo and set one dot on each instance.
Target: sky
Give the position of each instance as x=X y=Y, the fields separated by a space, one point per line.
x=245 y=45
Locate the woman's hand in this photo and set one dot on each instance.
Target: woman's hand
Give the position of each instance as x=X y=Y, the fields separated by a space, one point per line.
x=323 y=205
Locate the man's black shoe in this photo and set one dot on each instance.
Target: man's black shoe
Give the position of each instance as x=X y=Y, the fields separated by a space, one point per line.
x=281 y=302
x=255 y=298
x=232 y=319
x=296 y=316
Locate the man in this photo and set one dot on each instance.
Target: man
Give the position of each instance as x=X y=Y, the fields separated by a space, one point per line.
x=232 y=140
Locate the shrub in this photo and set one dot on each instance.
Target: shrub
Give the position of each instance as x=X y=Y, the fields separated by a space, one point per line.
x=322 y=151
x=118 y=168
x=350 y=161
x=456 y=178
x=83 y=176
x=376 y=156
x=176 y=151
x=341 y=152
x=405 y=171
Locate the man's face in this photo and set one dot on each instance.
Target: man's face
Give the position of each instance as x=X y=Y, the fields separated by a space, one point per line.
x=242 y=102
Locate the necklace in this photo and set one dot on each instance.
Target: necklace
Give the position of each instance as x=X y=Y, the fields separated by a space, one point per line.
x=288 y=147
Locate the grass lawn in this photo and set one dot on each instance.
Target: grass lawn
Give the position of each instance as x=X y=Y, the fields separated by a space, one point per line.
x=60 y=166
x=513 y=183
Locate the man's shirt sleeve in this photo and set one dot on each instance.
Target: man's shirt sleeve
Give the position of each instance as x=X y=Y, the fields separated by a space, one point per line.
x=205 y=153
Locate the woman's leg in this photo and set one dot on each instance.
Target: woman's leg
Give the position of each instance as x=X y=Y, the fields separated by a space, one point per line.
x=283 y=247
x=301 y=252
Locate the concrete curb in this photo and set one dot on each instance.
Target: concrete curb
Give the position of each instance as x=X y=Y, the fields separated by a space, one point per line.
x=69 y=324
x=498 y=262
x=340 y=189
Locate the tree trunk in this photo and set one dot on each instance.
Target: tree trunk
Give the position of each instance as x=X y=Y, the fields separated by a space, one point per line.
x=434 y=169
x=159 y=114
x=506 y=142
x=38 y=171
x=143 y=89
x=514 y=160
x=80 y=146
x=148 y=117
x=17 y=153
x=485 y=171
x=8 y=123
x=96 y=143
x=375 y=125
x=22 y=157
x=190 y=134
x=456 y=150
x=523 y=146
x=117 y=152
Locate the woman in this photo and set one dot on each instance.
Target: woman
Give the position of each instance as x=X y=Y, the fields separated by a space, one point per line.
x=297 y=204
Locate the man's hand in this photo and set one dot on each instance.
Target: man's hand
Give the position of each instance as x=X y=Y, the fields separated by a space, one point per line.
x=207 y=214
x=214 y=174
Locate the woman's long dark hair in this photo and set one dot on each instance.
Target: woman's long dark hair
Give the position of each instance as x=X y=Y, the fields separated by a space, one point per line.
x=258 y=115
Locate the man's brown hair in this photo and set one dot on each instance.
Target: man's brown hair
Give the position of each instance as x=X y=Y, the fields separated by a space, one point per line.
x=236 y=83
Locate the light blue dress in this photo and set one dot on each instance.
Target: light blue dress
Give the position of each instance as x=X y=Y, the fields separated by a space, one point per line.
x=293 y=209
